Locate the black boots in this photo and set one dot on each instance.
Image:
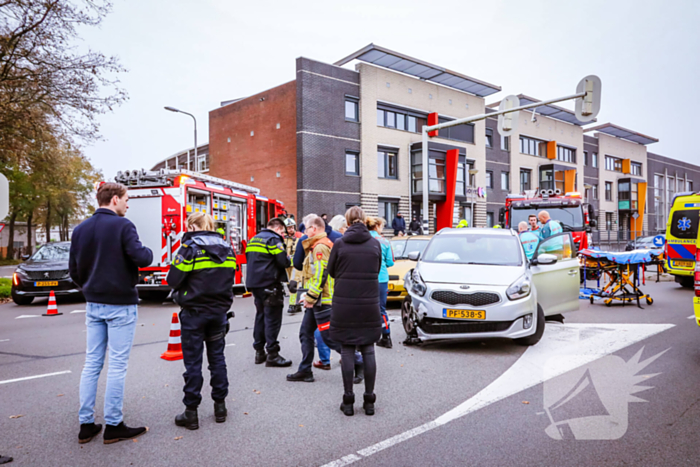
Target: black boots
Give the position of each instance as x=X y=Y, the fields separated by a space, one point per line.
x=301 y=377
x=359 y=373
x=121 y=432
x=260 y=357
x=188 y=419
x=385 y=341
x=347 y=406
x=88 y=431
x=277 y=360
x=368 y=406
x=220 y=411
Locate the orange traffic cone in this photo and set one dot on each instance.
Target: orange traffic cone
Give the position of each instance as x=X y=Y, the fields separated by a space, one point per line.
x=174 y=351
x=52 y=310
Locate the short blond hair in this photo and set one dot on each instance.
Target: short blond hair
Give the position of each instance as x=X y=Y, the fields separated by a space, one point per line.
x=355 y=214
x=375 y=223
x=201 y=220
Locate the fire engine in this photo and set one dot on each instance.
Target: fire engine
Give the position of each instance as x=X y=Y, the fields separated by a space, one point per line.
x=159 y=203
x=568 y=209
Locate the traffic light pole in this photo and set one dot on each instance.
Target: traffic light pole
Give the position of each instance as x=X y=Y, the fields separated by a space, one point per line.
x=462 y=121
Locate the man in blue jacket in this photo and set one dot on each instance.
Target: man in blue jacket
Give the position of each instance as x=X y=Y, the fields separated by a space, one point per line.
x=399 y=224
x=105 y=256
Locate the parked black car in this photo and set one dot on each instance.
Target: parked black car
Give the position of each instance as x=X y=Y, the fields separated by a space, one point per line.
x=44 y=271
x=644 y=243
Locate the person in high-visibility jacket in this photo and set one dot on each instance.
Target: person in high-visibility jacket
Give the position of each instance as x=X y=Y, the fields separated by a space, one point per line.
x=201 y=276
x=528 y=239
x=291 y=241
x=463 y=224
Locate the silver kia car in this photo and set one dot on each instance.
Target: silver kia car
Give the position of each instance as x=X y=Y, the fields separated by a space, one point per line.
x=479 y=283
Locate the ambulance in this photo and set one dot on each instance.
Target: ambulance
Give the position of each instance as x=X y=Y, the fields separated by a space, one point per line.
x=160 y=201
x=681 y=237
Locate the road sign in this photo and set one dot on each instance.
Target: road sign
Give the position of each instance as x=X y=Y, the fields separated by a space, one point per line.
x=588 y=106
x=4 y=197
x=508 y=123
x=635 y=216
x=659 y=241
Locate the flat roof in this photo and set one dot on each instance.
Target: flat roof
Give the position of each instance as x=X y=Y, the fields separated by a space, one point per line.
x=624 y=133
x=396 y=61
x=549 y=110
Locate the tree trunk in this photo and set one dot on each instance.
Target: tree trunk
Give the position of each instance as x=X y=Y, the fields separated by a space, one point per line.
x=66 y=227
x=29 y=233
x=47 y=224
x=10 y=254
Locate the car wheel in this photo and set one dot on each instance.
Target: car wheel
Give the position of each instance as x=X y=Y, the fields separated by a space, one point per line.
x=20 y=299
x=535 y=338
x=687 y=282
x=407 y=318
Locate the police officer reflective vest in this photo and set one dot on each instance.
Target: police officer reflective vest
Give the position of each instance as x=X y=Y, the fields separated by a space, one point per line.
x=202 y=273
x=267 y=260
x=463 y=224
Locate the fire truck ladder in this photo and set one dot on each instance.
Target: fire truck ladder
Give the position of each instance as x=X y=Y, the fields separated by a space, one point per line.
x=167 y=177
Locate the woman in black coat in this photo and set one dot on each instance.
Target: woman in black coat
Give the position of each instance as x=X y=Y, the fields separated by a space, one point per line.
x=354 y=263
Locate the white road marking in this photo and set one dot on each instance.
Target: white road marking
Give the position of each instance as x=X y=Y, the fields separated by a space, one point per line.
x=34 y=377
x=81 y=311
x=582 y=343
x=229 y=345
x=691 y=317
x=4 y=340
x=28 y=316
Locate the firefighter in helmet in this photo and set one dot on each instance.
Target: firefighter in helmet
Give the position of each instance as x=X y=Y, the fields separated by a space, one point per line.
x=291 y=240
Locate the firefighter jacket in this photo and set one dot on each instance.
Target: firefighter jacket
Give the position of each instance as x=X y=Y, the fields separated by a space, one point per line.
x=315 y=271
x=290 y=245
x=202 y=273
x=267 y=260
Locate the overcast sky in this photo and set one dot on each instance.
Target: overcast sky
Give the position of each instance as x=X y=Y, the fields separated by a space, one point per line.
x=195 y=54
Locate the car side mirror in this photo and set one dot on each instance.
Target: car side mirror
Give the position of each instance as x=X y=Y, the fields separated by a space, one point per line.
x=593 y=223
x=414 y=255
x=26 y=257
x=544 y=259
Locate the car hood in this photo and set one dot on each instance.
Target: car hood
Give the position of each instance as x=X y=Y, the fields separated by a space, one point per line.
x=44 y=265
x=469 y=273
x=401 y=267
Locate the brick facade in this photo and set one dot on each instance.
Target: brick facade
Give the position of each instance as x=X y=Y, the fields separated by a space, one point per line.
x=256 y=137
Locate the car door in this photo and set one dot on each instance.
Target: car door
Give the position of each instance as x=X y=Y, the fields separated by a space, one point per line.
x=557 y=284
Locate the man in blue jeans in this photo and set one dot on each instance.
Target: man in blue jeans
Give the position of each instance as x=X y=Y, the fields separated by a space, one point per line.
x=105 y=255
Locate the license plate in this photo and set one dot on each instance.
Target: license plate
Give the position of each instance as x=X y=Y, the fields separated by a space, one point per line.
x=46 y=284
x=683 y=264
x=463 y=314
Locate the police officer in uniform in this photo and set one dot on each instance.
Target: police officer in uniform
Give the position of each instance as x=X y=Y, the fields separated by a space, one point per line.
x=267 y=268
x=202 y=276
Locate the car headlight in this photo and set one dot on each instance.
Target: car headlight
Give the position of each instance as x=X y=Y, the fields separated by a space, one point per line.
x=22 y=274
x=519 y=289
x=418 y=287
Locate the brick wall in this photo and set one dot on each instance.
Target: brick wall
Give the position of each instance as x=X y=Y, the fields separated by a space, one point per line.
x=256 y=137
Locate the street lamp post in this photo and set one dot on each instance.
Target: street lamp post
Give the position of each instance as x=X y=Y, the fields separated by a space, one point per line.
x=173 y=109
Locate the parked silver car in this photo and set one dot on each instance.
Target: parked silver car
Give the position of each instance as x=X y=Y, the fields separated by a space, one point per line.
x=478 y=283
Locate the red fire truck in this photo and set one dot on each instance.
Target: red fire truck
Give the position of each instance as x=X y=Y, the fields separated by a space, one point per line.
x=159 y=203
x=573 y=214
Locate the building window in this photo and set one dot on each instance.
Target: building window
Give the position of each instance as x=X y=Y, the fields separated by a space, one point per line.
x=489 y=138
x=670 y=190
x=464 y=132
x=400 y=119
x=586 y=160
x=608 y=221
x=636 y=168
x=387 y=209
x=489 y=219
x=594 y=191
x=436 y=181
x=352 y=109
x=659 y=202
x=463 y=177
x=505 y=181
x=613 y=164
x=533 y=147
x=594 y=160
x=386 y=164
x=608 y=191
x=489 y=179
x=525 y=180
x=505 y=143
x=352 y=163
x=688 y=185
x=565 y=154
x=202 y=163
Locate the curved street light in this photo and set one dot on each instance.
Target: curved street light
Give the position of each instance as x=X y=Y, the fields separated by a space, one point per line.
x=173 y=109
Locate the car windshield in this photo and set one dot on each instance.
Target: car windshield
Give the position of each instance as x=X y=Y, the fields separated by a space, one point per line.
x=403 y=247
x=484 y=249
x=52 y=252
x=570 y=218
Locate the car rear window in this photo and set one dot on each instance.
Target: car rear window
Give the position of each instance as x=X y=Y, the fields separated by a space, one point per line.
x=684 y=224
x=494 y=250
x=51 y=252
